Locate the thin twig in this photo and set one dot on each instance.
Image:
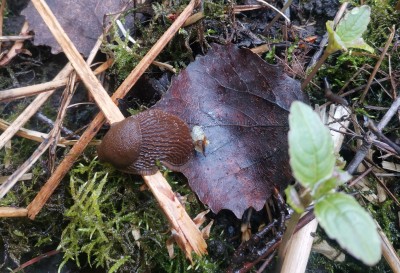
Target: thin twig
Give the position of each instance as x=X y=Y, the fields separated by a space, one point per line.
x=15 y=48
x=12 y=180
x=287 y=5
x=31 y=109
x=277 y=10
x=49 y=122
x=369 y=138
x=100 y=95
x=371 y=126
x=2 y=9
x=22 y=92
x=15 y=38
x=383 y=185
x=378 y=63
x=13 y=212
x=35 y=260
x=65 y=101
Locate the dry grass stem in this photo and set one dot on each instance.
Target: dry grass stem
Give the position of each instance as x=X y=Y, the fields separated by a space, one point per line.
x=378 y=63
x=2 y=8
x=53 y=136
x=13 y=212
x=100 y=95
x=27 y=176
x=22 y=92
x=31 y=109
x=15 y=38
x=14 y=50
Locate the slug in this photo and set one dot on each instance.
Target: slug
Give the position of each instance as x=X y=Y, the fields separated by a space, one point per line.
x=135 y=144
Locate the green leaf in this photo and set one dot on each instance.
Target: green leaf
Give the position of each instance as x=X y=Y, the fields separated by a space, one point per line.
x=346 y=221
x=354 y=24
x=349 y=31
x=335 y=43
x=361 y=44
x=339 y=177
x=310 y=146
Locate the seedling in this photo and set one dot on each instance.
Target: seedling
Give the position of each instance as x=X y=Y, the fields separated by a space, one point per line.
x=314 y=166
x=347 y=35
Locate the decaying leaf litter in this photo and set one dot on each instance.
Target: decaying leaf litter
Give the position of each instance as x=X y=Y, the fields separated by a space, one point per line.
x=291 y=63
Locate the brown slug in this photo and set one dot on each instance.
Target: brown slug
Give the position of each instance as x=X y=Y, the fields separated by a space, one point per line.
x=135 y=144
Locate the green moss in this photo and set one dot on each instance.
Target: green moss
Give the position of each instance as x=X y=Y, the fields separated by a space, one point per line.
x=178 y=52
x=108 y=209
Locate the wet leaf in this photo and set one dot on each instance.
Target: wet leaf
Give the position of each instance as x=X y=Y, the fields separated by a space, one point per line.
x=310 y=146
x=82 y=20
x=242 y=104
x=346 y=221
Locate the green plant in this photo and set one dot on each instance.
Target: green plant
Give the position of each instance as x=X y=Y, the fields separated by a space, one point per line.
x=347 y=35
x=313 y=164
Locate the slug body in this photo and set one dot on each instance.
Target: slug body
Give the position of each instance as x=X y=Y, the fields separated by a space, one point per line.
x=135 y=144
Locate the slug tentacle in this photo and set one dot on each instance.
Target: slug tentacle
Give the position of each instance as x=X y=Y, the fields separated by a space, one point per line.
x=135 y=144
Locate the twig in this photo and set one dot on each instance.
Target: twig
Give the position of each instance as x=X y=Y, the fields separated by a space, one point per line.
x=15 y=38
x=100 y=95
x=394 y=198
x=173 y=216
x=242 y=8
x=277 y=16
x=15 y=48
x=22 y=92
x=371 y=126
x=368 y=139
x=27 y=176
x=12 y=180
x=13 y=212
x=35 y=260
x=360 y=177
x=31 y=109
x=2 y=9
x=266 y=262
x=277 y=10
x=378 y=63
x=65 y=101
x=37 y=136
x=50 y=123
x=389 y=253
x=363 y=86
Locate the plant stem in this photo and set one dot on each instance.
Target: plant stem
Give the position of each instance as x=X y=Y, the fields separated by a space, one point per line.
x=315 y=69
x=286 y=238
